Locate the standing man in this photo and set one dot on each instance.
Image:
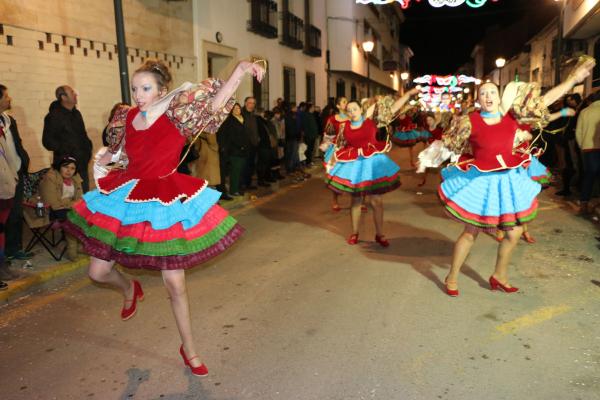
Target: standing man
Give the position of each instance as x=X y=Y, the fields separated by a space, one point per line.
x=64 y=132
x=14 y=235
x=10 y=164
x=588 y=139
x=251 y=125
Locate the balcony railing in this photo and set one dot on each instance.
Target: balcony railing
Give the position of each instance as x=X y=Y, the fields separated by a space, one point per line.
x=293 y=31
x=313 y=41
x=263 y=20
x=390 y=65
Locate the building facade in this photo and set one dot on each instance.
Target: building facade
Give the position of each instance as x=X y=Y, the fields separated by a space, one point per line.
x=348 y=26
x=287 y=34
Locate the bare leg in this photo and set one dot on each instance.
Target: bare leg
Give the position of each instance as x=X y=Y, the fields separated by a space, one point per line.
x=377 y=204
x=462 y=247
x=355 y=213
x=410 y=156
x=175 y=283
x=104 y=272
x=424 y=180
x=505 y=250
x=335 y=203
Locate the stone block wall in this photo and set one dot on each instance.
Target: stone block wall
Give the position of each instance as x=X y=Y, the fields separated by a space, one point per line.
x=48 y=43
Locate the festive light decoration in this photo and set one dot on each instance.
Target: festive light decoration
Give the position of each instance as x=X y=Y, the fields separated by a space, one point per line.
x=434 y=3
x=448 y=80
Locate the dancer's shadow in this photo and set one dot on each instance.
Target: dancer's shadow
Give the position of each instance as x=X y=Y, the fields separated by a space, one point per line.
x=423 y=249
x=195 y=390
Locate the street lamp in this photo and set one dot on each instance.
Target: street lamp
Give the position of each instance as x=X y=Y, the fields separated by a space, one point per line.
x=500 y=63
x=404 y=76
x=368 y=47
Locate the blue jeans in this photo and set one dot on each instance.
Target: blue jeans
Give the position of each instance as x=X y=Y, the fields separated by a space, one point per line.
x=591 y=172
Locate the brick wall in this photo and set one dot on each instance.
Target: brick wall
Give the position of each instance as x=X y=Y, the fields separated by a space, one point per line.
x=48 y=43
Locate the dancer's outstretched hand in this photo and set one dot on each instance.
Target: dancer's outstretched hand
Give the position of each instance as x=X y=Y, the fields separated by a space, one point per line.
x=253 y=68
x=583 y=69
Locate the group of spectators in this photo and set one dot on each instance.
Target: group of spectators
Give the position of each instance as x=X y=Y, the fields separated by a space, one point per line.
x=60 y=186
x=573 y=147
x=266 y=144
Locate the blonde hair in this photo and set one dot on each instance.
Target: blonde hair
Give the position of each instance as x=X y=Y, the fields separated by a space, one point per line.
x=159 y=70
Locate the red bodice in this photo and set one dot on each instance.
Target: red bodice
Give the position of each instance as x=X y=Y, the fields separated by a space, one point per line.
x=492 y=145
x=153 y=155
x=361 y=141
x=436 y=134
x=406 y=124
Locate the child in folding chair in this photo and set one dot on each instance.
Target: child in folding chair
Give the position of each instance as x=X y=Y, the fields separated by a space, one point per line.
x=60 y=188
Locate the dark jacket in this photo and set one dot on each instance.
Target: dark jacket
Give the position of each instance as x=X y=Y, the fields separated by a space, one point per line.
x=251 y=124
x=291 y=127
x=21 y=152
x=65 y=135
x=310 y=127
x=233 y=138
x=264 y=141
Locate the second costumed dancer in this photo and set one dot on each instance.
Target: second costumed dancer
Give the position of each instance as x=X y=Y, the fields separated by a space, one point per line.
x=359 y=165
x=146 y=215
x=488 y=188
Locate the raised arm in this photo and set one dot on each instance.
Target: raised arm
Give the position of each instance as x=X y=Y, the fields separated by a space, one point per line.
x=229 y=88
x=581 y=72
x=402 y=100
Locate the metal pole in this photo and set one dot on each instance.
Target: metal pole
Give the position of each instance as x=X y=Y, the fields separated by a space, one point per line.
x=122 y=53
x=368 y=77
x=558 y=53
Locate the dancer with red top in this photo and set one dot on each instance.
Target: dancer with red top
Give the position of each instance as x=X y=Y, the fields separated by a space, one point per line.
x=330 y=134
x=488 y=188
x=146 y=215
x=359 y=166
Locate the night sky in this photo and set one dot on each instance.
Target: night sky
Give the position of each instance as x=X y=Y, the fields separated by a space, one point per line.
x=443 y=38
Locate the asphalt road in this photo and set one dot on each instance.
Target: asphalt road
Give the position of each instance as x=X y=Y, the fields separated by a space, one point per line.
x=293 y=312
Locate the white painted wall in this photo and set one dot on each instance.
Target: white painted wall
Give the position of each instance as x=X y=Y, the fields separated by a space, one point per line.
x=574 y=16
x=230 y=17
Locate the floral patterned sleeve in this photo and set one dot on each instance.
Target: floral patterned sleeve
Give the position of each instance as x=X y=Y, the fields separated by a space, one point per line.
x=383 y=116
x=116 y=129
x=191 y=110
x=528 y=105
x=456 y=137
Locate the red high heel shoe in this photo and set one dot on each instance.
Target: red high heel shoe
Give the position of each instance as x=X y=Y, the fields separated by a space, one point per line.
x=495 y=285
x=383 y=242
x=528 y=238
x=364 y=208
x=450 y=292
x=138 y=294
x=353 y=239
x=200 y=370
x=336 y=207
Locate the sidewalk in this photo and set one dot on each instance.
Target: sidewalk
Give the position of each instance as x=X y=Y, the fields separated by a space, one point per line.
x=43 y=268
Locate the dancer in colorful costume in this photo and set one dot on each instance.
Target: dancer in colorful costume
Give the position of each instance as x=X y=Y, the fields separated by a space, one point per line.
x=536 y=170
x=359 y=165
x=146 y=215
x=407 y=132
x=488 y=188
x=330 y=134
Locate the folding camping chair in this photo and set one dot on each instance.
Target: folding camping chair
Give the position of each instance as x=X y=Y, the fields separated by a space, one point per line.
x=43 y=230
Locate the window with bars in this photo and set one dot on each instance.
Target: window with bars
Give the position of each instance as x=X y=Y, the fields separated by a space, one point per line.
x=260 y=91
x=289 y=84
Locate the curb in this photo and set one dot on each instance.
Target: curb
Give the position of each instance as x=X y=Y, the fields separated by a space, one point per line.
x=23 y=284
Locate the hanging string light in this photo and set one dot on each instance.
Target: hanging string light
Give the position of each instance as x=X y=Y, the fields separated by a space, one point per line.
x=434 y=3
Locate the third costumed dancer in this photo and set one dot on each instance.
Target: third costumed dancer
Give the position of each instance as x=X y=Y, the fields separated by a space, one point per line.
x=489 y=187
